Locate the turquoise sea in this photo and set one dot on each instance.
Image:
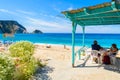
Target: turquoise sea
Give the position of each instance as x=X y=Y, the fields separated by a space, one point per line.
x=104 y=40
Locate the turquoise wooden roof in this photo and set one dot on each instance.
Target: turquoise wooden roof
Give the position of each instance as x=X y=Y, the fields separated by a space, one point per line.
x=102 y=14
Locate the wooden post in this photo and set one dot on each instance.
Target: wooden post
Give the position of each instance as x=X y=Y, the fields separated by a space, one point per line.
x=74 y=25
x=83 y=39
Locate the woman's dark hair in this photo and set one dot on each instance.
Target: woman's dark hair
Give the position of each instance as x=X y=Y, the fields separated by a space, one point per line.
x=114 y=45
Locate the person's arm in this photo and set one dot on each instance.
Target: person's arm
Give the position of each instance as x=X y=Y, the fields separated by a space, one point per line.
x=114 y=50
x=110 y=49
x=99 y=47
x=92 y=47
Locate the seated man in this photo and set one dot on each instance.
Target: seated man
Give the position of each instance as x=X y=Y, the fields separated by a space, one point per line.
x=95 y=49
x=95 y=46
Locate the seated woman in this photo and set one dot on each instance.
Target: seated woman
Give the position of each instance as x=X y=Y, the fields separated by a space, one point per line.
x=109 y=56
x=113 y=52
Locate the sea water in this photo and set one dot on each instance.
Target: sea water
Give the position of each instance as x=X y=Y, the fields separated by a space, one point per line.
x=105 y=40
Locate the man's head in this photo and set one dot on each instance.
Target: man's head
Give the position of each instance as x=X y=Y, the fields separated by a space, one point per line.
x=95 y=42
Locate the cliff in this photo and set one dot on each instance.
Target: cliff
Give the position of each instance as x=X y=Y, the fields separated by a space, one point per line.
x=10 y=26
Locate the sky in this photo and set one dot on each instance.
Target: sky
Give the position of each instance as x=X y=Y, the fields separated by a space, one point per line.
x=46 y=16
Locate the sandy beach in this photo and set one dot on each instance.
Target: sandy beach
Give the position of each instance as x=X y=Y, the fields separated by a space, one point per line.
x=58 y=62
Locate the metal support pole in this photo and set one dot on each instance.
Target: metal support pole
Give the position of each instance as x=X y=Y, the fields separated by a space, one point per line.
x=73 y=42
x=79 y=55
x=83 y=40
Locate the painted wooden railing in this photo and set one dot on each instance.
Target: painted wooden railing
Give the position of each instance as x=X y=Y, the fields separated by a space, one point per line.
x=81 y=50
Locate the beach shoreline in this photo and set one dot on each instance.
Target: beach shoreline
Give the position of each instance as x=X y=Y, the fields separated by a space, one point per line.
x=55 y=44
x=58 y=60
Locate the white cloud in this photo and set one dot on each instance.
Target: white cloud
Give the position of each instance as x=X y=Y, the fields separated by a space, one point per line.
x=7 y=11
x=61 y=25
x=56 y=9
x=3 y=10
x=49 y=26
x=52 y=23
x=17 y=13
x=44 y=23
x=70 y=8
x=103 y=29
x=43 y=14
x=25 y=12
